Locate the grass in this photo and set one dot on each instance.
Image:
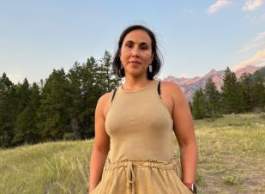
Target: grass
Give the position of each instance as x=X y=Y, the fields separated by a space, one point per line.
x=231 y=160
x=58 y=167
x=231 y=154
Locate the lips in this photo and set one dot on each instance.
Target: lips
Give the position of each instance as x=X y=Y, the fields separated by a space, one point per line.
x=135 y=62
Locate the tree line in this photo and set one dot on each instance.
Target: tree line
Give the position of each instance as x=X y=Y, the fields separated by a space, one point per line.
x=237 y=95
x=62 y=107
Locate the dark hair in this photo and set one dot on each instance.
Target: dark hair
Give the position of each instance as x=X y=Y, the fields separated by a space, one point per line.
x=156 y=63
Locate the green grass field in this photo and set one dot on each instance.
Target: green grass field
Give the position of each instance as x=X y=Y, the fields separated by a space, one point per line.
x=231 y=160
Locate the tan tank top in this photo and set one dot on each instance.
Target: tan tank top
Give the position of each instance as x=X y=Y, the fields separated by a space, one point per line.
x=139 y=125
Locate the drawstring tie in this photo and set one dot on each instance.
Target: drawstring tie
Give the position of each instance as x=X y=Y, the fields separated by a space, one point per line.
x=129 y=166
x=130 y=176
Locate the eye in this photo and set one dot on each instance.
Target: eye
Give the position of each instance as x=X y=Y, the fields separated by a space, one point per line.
x=144 y=46
x=129 y=44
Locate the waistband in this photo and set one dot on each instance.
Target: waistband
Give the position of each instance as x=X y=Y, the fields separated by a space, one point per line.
x=162 y=164
x=130 y=164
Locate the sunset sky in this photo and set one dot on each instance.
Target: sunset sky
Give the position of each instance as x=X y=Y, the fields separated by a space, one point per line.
x=193 y=36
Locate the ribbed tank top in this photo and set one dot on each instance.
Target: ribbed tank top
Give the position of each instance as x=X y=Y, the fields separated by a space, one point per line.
x=139 y=125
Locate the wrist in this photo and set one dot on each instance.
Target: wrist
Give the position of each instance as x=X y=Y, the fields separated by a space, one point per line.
x=191 y=186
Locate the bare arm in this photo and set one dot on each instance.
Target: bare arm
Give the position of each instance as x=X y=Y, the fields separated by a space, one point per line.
x=184 y=131
x=101 y=144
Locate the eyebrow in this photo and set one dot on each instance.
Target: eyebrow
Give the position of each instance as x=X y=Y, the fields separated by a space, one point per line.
x=141 y=43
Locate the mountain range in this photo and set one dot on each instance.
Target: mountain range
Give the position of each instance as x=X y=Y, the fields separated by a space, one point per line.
x=190 y=85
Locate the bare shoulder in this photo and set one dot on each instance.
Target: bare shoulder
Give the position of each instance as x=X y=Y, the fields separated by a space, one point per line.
x=103 y=99
x=175 y=92
x=172 y=88
x=104 y=102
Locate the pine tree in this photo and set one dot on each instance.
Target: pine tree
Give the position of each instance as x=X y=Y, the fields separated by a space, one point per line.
x=53 y=117
x=213 y=99
x=106 y=77
x=88 y=82
x=7 y=113
x=62 y=107
x=259 y=91
x=22 y=101
x=232 y=97
x=26 y=121
x=246 y=85
x=84 y=92
x=199 y=103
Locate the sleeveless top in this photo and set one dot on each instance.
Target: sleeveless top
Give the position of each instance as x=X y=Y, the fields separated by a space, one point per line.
x=139 y=125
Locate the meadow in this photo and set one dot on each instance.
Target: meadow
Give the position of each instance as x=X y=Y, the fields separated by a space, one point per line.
x=231 y=160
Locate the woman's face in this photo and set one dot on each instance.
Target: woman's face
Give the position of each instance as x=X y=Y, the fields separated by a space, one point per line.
x=136 y=52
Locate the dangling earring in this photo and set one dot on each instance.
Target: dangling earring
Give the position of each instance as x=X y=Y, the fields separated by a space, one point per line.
x=150 y=68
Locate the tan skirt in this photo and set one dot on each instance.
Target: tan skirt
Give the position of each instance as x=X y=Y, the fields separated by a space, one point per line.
x=141 y=177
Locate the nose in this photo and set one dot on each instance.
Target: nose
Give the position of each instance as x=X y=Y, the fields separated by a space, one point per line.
x=135 y=51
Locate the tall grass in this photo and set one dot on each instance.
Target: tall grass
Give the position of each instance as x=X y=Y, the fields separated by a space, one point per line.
x=231 y=160
x=50 y=168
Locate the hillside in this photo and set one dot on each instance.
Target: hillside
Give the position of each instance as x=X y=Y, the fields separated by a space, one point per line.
x=190 y=85
x=231 y=161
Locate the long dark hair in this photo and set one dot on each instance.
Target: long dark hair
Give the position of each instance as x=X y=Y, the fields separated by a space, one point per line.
x=156 y=63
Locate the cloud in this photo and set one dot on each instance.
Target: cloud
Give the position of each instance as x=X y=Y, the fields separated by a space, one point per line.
x=257 y=43
x=251 y=5
x=219 y=4
x=257 y=60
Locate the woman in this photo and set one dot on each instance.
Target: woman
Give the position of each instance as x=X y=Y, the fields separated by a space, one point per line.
x=133 y=150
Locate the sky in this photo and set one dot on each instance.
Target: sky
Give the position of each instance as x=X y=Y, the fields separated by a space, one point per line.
x=193 y=36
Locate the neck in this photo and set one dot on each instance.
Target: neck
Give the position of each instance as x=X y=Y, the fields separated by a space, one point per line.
x=135 y=83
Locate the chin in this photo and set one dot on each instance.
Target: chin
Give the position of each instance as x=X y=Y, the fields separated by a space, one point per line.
x=136 y=74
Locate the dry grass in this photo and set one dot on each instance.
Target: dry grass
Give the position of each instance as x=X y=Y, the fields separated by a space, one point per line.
x=231 y=151
x=231 y=160
x=50 y=168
